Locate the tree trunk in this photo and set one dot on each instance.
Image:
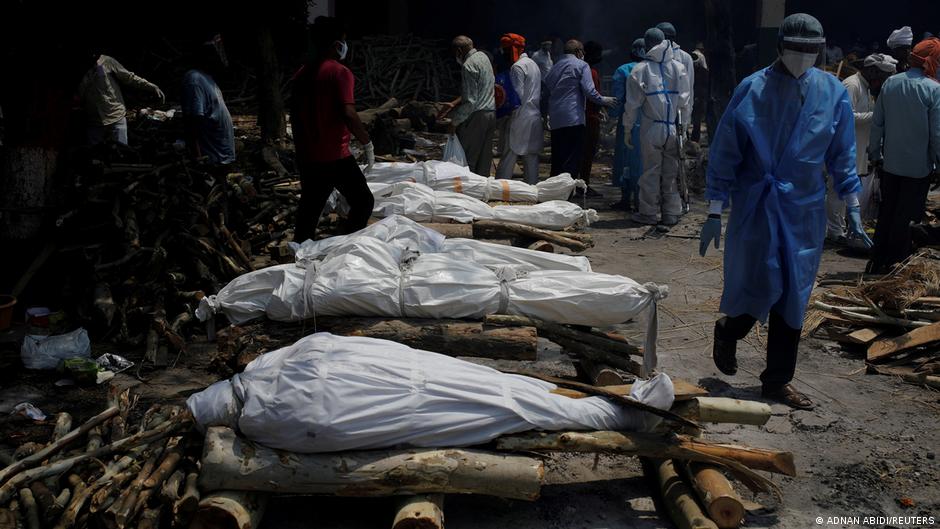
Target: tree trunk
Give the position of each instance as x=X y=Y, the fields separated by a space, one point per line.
x=232 y=463
x=678 y=499
x=230 y=509
x=420 y=512
x=25 y=190
x=270 y=102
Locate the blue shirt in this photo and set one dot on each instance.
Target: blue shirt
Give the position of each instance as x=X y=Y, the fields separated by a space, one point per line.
x=905 y=129
x=202 y=98
x=567 y=86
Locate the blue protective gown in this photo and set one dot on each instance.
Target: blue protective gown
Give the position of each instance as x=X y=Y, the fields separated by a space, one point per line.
x=775 y=139
x=628 y=163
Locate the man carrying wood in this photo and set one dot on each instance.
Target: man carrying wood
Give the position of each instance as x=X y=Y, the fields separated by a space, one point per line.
x=323 y=115
x=474 y=116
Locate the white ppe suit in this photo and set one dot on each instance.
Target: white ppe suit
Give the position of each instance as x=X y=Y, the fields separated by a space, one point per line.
x=658 y=89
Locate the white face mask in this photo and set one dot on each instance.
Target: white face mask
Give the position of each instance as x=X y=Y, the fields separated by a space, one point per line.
x=343 y=49
x=798 y=63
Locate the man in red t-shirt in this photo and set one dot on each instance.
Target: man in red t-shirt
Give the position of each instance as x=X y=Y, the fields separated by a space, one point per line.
x=593 y=54
x=323 y=114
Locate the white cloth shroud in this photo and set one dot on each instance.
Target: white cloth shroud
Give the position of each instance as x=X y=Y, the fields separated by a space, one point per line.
x=371 y=277
x=328 y=393
x=446 y=176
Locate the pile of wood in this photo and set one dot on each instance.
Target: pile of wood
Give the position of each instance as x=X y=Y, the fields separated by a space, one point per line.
x=150 y=237
x=895 y=319
x=405 y=67
x=111 y=471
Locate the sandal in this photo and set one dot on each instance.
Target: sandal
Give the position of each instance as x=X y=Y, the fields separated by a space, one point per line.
x=724 y=353
x=787 y=394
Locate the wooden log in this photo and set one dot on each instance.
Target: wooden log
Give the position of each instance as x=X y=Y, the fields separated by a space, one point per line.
x=7 y=519
x=611 y=343
x=45 y=502
x=908 y=375
x=150 y=518
x=865 y=336
x=721 y=502
x=230 y=510
x=232 y=463
x=189 y=502
x=684 y=390
x=451 y=230
x=724 y=410
x=63 y=425
x=650 y=445
x=166 y=467
x=420 y=512
x=678 y=499
x=32 y=510
x=884 y=349
x=600 y=374
x=542 y=246
x=483 y=229
x=170 y=491
x=53 y=448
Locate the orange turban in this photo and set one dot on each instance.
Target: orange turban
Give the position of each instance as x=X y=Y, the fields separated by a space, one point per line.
x=926 y=55
x=514 y=43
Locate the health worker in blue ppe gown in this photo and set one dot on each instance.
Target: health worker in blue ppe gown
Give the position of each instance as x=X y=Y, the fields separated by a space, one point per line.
x=785 y=126
x=628 y=163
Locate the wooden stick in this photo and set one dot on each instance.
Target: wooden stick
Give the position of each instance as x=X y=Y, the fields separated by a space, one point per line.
x=32 y=510
x=80 y=493
x=604 y=341
x=27 y=476
x=420 y=512
x=886 y=348
x=172 y=458
x=678 y=498
x=189 y=501
x=724 y=410
x=7 y=519
x=236 y=509
x=489 y=228
x=600 y=374
x=150 y=518
x=170 y=491
x=63 y=424
x=56 y=446
x=717 y=495
x=232 y=463
x=684 y=390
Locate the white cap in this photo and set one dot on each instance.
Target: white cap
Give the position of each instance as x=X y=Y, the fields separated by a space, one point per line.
x=885 y=63
x=901 y=37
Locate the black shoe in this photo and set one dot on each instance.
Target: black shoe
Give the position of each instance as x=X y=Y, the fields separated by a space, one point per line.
x=787 y=394
x=725 y=355
x=591 y=193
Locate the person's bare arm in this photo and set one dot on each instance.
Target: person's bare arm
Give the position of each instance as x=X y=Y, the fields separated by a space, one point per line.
x=355 y=124
x=448 y=107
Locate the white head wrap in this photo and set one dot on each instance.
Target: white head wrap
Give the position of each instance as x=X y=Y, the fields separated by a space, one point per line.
x=901 y=37
x=885 y=63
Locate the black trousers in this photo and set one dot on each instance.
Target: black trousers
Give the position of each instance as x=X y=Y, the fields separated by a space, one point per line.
x=903 y=201
x=698 y=115
x=783 y=342
x=567 y=149
x=317 y=182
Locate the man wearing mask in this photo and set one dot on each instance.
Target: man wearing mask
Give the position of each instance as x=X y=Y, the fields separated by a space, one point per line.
x=905 y=141
x=543 y=57
x=473 y=113
x=863 y=88
x=768 y=155
x=658 y=91
x=628 y=164
x=323 y=116
x=206 y=119
x=566 y=88
x=525 y=123
x=899 y=46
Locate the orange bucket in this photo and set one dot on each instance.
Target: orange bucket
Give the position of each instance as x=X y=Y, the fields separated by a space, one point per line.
x=6 y=311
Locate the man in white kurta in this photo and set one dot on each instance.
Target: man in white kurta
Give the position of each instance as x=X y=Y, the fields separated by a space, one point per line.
x=525 y=125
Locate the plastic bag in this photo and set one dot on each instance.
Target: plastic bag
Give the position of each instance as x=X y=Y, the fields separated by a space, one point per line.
x=453 y=151
x=45 y=352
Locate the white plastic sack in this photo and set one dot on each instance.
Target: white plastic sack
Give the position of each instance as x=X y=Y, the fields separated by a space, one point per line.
x=368 y=277
x=45 y=352
x=423 y=204
x=446 y=176
x=407 y=234
x=329 y=393
x=453 y=151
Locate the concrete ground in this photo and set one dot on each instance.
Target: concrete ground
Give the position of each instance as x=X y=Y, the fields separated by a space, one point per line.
x=870 y=442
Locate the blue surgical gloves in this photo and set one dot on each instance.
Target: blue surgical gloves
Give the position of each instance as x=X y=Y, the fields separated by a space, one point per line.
x=856 y=228
x=711 y=231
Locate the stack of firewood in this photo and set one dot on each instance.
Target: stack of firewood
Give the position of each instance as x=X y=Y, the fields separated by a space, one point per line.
x=150 y=238
x=404 y=67
x=895 y=319
x=111 y=471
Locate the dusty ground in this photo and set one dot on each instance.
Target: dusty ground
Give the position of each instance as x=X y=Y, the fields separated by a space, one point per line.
x=871 y=441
